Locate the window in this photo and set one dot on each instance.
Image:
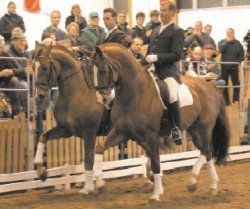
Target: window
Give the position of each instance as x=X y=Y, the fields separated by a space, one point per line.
x=209 y=4
x=238 y=2
x=184 y=4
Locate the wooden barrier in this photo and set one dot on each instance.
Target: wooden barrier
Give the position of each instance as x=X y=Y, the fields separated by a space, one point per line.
x=71 y=150
x=13 y=144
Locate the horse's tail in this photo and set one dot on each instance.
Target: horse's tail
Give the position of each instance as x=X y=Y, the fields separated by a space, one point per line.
x=221 y=135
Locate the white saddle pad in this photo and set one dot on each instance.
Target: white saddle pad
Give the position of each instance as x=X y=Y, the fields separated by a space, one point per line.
x=185 y=96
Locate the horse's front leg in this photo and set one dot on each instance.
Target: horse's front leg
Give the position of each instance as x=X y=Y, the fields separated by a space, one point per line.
x=152 y=150
x=89 y=148
x=54 y=133
x=113 y=138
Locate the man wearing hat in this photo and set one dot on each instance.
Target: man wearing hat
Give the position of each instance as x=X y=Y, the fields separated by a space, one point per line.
x=91 y=35
x=22 y=67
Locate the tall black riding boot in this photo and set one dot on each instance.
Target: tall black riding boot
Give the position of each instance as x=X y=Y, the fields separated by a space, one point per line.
x=174 y=111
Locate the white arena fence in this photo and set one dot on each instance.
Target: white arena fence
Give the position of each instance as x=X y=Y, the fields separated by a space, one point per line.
x=68 y=174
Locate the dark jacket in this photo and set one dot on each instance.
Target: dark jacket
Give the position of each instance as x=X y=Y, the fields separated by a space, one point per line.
x=117 y=36
x=194 y=40
x=60 y=34
x=152 y=25
x=90 y=37
x=231 y=51
x=8 y=22
x=82 y=22
x=140 y=32
x=20 y=64
x=168 y=46
x=5 y=64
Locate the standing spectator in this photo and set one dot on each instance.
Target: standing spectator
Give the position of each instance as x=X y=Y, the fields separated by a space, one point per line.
x=73 y=33
x=165 y=50
x=91 y=35
x=55 y=18
x=76 y=17
x=208 y=29
x=10 y=21
x=139 y=30
x=154 y=20
x=135 y=50
x=231 y=51
x=114 y=34
x=197 y=38
x=123 y=25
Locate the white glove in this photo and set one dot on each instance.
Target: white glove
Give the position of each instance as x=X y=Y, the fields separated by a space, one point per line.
x=152 y=58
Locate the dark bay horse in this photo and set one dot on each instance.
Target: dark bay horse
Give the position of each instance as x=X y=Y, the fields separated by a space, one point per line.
x=76 y=110
x=138 y=109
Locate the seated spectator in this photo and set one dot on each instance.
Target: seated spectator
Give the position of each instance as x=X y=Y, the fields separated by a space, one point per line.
x=76 y=17
x=23 y=67
x=55 y=18
x=135 y=50
x=197 y=38
x=9 y=80
x=208 y=29
x=73 y=33
x=10 y=21
x=213 y=72
x=91 y=35
x=122 y=24
x=139 y=30
x=202 y=65
x=49 y=35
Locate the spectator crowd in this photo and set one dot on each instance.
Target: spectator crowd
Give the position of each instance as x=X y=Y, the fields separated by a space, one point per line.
x=198 y=48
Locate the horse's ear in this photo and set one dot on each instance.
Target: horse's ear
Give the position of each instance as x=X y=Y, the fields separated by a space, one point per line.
x=98 y=51
x=48 y=50
x=85 y=51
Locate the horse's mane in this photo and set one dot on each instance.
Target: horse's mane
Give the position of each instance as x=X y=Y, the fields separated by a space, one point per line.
x=120 y=48
x=65 y=50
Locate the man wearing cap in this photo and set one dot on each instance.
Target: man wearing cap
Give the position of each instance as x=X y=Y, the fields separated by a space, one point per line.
x=114 y=35
x=165 y=50
x=91 y=35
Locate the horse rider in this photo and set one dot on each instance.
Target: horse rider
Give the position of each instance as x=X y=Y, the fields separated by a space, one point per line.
x=165 y=50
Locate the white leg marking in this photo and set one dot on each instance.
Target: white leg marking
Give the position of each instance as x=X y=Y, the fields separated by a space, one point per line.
x=39 y=153
x=98 y=171
x=89 y=184
x=158 y=190
x=213 y=174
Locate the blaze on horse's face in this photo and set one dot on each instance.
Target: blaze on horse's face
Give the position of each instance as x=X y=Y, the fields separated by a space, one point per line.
x=42 y=68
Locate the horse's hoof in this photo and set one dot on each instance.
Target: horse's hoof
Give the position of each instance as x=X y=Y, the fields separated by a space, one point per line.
x=213 y=191
x=192 y=188
x=154 y=202
x=87 y=191
x=100 y=185
x=42 y=173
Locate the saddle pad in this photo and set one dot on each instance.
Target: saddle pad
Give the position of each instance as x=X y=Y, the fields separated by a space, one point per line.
x=185 y=96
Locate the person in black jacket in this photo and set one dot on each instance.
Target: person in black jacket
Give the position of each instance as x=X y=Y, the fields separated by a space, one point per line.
x=10 y=21
x=139 y=30
x=8 y=78
x=231 y=51
x=165 y=50
x=114 y=34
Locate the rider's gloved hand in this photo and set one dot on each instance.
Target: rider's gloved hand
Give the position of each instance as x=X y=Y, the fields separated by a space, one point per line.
x=152 y=58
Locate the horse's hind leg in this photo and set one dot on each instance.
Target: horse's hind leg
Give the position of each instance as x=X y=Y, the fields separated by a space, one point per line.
x=54 y=133
x=213 y=175
x=192 y=185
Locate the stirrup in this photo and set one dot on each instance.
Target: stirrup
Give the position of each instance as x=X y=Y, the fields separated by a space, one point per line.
x=176 y=135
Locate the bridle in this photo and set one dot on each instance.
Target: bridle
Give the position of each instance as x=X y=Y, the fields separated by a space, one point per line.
x=52 y=68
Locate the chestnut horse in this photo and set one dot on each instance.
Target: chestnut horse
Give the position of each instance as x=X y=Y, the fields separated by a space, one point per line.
x=137 y=113
x=76 y=110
